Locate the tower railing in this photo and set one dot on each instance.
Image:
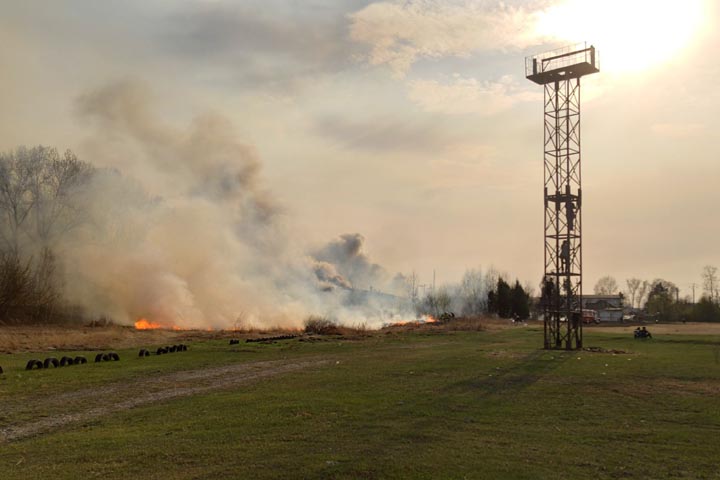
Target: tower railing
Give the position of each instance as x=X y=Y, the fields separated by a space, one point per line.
x=572 y=61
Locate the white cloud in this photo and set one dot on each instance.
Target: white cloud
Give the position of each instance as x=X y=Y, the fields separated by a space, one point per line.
x=469 y=95
x=399 y=33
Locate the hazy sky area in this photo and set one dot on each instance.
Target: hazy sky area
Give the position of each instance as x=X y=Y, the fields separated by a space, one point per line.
x=409 y=122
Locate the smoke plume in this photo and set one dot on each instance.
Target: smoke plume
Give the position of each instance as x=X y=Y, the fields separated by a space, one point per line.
x=179 y=229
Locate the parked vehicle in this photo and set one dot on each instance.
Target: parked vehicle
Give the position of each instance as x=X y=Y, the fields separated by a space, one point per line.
x=590 y=316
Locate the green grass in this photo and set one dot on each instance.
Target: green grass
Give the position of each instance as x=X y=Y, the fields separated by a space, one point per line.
x=414 y=405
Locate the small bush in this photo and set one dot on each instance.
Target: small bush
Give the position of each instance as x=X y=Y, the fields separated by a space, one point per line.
x=321 y=326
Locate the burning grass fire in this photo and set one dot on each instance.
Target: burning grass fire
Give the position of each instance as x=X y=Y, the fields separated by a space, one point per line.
x=144 y=324
x=419 y=321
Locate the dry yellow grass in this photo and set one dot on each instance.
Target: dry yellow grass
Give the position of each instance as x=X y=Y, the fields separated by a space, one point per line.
x=42 y=337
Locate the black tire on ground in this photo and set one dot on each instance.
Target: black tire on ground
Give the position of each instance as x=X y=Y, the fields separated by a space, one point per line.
x=184 y=347
x=234 y=341
x=80 y=360
x=1 y=371
x=106 y=357
x=99 y=357
x=160 y=351
x=172 y=349
x=33 y=363
x=114 y=356
x=66 y=361
x=51 y=361
x=143 y=353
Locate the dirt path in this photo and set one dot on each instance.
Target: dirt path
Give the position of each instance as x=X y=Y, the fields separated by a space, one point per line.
x=92 y=403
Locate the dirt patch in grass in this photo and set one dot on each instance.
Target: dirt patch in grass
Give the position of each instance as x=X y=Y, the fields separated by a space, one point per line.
x=91 y=403
x=662 y=328
x=505 y=354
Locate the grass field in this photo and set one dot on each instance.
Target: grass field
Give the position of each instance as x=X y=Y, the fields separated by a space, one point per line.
x=425 y=403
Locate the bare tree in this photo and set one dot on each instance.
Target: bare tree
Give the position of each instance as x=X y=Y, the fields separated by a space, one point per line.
x=492 y=275
x=672 y=290
x=642 y=293
x=38 y=204
x=710 y=282
x=633 y=285
x=436 y=303
x=473 y=292
x=606 y=286
x=16 y=199
x=529 y=289
x=37 y=200
x=16 y=280
x=56 y=209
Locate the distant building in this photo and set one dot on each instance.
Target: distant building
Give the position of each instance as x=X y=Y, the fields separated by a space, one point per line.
x=609 y=308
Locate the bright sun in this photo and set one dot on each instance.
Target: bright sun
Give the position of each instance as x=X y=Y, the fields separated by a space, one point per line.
x=631 y=35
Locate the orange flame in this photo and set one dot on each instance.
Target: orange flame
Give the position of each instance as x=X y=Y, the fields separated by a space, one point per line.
x=144 y=324
x=419 y=321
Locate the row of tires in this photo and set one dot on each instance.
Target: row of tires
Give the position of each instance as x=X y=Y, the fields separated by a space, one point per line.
x=163 y=350
x=107 y=357
x=68 y=361
x=54 y=362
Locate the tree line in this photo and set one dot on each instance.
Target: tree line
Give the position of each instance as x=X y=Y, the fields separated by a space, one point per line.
x=476 y=294
x=661 y=299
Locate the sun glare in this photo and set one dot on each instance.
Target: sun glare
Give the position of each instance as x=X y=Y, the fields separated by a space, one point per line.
x=631 y=35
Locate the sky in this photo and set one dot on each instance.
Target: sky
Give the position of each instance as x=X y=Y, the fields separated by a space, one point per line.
x=409 y=122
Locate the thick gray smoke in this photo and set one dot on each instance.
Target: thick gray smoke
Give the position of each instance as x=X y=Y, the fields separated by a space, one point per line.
x=352 y=266
x=179 y=230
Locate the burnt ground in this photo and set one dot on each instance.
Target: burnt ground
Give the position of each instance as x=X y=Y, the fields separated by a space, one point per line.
x=88 y=404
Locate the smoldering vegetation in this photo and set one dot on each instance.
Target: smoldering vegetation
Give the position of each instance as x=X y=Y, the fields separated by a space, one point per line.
x=169 y=224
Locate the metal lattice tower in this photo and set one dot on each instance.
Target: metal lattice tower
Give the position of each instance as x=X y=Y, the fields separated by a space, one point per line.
x=559 y=72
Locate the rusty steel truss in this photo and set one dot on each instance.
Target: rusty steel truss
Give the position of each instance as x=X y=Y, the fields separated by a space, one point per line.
x=559 y=72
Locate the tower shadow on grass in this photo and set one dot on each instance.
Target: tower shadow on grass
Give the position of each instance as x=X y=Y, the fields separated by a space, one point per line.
x=515 y=377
